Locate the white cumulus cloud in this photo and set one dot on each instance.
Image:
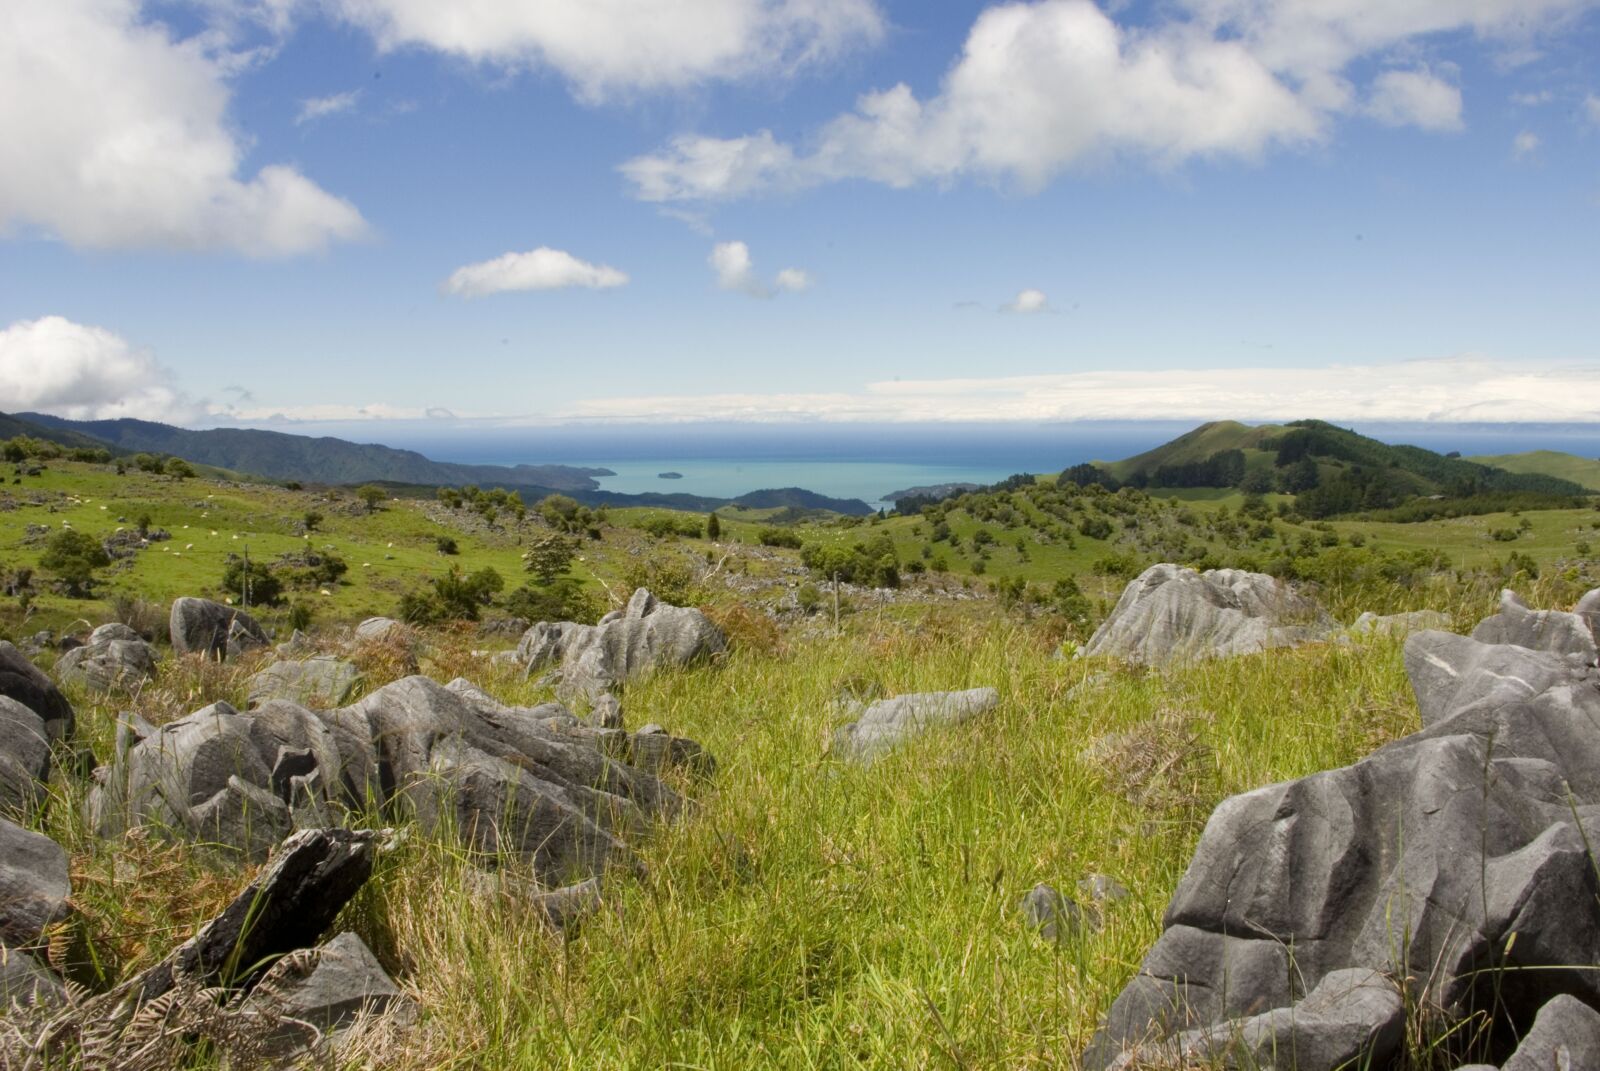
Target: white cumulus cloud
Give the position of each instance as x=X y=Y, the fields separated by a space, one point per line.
x=1029 y=300
x=736 y=271
x=605 y=47
x=53 y=365
x=1591 y=108
x=1415 y=98
x=314 y=108
x=538 y=269
x=1525 y=144
x=1046 y=86
x=121 y=139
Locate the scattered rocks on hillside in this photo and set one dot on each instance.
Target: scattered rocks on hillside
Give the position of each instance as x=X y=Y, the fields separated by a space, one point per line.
x=114 y=658
x=1402 y=624
x=533 y=781
x=298 y=645
x=887 y=722
x=25 y=682
x=626 y=645
x=1537 y=630
x=1171 y=613
x=34 y=884
x=24 y=758
x=1418 y=862
x=200 y=626
x=319 y=683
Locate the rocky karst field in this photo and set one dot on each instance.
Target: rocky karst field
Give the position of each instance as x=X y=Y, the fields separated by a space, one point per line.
x=1189 y=817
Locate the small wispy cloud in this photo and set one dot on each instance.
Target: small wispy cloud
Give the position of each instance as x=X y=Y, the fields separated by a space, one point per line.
x=736 y=271
x=314 y=108
x=1591 y=108
x=1525 y=144
x=1028 y=301
x=538 y=269
x=1532 y=100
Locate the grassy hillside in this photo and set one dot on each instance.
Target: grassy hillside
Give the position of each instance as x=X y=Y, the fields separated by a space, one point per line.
x=1584 y=471
x=1196 y=445
x=807 y=913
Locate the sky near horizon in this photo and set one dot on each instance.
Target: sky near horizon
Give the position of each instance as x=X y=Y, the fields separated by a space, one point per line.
x=301 y=213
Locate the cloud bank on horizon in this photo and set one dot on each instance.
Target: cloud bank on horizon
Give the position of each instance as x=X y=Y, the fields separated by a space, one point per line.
x=94 y=374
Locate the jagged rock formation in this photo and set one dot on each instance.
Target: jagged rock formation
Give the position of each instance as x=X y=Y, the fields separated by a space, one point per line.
x=1418 y=862
x=531 y=781
x=1170 y=613
x=200 y=626
x=313 y=682
x=115 y=657
x=626 y=644
x=887 y=722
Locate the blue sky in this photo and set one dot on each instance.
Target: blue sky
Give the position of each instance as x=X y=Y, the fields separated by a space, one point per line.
x=497 y=213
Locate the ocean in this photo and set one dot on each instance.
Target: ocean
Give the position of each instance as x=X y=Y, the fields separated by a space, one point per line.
x=870 y=461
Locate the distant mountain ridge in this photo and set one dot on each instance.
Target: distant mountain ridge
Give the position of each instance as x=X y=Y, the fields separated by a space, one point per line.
x=281 y=456
x=277 y=455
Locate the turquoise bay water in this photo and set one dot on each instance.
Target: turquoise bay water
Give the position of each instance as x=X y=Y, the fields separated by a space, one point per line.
x=731 y=477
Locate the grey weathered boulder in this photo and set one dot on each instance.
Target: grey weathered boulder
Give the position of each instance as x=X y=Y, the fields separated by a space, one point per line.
x=313 y=682
x=200 y=626
x=1353 y=1018
x=24 y=983
x=328 y=988
x=1055 y=916
x=533 y=781
x=24 y=757
x=1588 y=609
x=115 y=657
x=887 y=722
x=1539 y=630
x=1170 y=613
x=34 y=884
x=25 y=682
x=1419 y=861
x=298 y=645
x=626 y=645
x=381 y=630
x=1402 y=624
x=1565 y=1034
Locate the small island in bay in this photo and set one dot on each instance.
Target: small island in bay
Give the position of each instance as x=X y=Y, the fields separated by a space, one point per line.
x=669 y=475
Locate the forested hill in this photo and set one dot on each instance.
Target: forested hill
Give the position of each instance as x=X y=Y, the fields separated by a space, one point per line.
x=1312 y=455
x=280 y=456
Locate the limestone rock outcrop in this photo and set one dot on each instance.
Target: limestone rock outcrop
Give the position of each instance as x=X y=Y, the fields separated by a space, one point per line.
x=1170 y=613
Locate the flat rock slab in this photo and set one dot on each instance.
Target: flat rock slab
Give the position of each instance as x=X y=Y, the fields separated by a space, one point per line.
x=34 y=884
x=318 y=683
x=330 y=987
x=888 y=722
x=1403 y=624
x=1170 y=613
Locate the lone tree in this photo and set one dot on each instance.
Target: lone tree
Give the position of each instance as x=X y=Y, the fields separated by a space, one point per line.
x=371 y=494
x=713 y=526
x=311 y=520
x=178 y=468
x=549 y=558
x=74 y=556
